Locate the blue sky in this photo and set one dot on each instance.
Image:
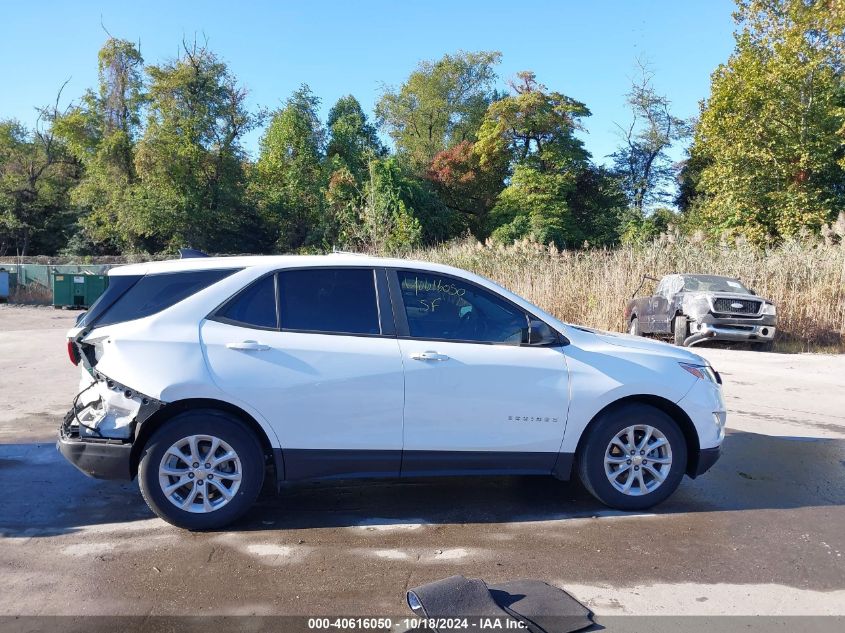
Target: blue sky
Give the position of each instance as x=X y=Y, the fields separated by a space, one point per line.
x=584 y=49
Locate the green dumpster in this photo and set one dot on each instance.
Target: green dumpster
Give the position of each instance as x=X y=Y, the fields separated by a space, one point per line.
x=77 y=290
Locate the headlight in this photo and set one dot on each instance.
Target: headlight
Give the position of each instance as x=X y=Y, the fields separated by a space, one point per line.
x=704 y=372
x=769 y=308
x=695 y=305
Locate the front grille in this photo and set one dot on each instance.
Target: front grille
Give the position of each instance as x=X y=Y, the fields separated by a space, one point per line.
x=725 y=305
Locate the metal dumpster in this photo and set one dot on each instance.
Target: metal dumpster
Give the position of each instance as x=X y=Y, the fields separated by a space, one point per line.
x=77 y=290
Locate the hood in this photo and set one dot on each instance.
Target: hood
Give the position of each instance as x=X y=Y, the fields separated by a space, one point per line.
x=639 y=343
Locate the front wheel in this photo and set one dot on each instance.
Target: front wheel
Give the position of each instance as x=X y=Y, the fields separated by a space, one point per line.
x=681 y=330
x=201 y=470
x=634 y=327
x=633 y=458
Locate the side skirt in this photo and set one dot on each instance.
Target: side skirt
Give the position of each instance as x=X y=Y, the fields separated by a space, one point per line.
x=309 y=464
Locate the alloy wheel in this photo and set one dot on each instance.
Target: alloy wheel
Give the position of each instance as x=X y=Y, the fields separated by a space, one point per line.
x=638 y=459
x=200 y=473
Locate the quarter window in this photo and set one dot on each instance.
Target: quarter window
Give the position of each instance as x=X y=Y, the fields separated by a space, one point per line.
x=254 y=306
x=441 y=307
x=153 y=293
x=330 y=300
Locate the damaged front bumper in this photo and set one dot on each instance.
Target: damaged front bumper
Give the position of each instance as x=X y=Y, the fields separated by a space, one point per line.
x=710 y=327
x=96 y=434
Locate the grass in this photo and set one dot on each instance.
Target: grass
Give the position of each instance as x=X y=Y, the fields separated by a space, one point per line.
x=31 y=294
x=806 y=281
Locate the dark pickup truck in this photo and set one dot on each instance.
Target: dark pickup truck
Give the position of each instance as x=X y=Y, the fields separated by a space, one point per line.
x=695 y=308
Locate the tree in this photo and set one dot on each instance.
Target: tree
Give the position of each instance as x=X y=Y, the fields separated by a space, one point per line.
x=352 y=141
x=190 y=161
x=597 y=206
x=290 y=175
x=441 y=104
x=36 y=173
x=352 y=145
x=386 y=224
x=101 y=132
x=771 y=133
x=642 y=162
x=533 y=131
x=465 y=187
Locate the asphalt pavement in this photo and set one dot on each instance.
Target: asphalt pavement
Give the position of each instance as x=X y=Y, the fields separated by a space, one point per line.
x=762 y=533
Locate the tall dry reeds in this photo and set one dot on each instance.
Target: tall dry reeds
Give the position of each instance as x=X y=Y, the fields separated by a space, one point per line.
x=591 y=287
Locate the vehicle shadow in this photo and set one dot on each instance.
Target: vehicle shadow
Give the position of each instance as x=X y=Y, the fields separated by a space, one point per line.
x=756 y=472
x=50 y=497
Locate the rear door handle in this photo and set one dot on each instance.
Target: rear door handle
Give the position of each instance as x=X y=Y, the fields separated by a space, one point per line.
x=252 y=346
x=428 y=356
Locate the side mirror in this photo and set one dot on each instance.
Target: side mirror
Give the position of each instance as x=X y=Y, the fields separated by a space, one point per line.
x=539 y=333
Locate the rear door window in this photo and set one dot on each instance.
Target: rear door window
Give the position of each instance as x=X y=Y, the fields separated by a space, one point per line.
x=154 y=293
x=254 y=306
x=329 y=300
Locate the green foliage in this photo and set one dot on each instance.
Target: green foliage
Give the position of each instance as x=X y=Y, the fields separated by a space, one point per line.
x=101 y=132
x=533 y=127
x=352 y=141
x=151 y=159
x=440 y=104
x=771 y=134
x=387 y=224
x=36 y=174
x=641 y=228
x=289 y=173
x=555 y=195
x=535 y=206
x=596 y=206
x=190 y=161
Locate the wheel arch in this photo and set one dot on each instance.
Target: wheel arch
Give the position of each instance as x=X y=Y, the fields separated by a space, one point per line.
x=668 y=407
x=273 y=457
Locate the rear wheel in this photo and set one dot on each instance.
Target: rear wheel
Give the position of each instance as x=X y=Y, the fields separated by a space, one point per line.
x=201 y=470
x=681 y=330
x=633 y=458
x=634 y=327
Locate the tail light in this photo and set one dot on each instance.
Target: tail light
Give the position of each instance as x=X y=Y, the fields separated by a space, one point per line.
x=72 y=352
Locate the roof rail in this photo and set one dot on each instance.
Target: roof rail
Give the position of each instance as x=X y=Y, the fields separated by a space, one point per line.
x=336 y=251
x=190 y=253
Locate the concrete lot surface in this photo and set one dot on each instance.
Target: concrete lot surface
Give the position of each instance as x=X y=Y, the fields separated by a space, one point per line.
x=762 y=533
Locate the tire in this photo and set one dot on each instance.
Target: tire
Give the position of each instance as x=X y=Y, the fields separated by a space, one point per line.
x=681 y=329
x=214 y=511
x=591 y=467
x=766 y=346
x=634 y=327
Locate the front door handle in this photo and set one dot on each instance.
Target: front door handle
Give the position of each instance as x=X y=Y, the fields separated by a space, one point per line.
x=252 y=346
x=428 y=356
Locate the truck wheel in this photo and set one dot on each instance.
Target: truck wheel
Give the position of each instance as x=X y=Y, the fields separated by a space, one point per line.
x=681 y=329
x=767 y=346
x=201 y=470
x=633 y=458
x=634 y=327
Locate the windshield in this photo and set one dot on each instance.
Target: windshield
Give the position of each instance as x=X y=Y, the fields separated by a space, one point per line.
x=713 y=283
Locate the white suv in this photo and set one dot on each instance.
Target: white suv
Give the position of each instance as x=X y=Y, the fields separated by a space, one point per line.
x=204 y=376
